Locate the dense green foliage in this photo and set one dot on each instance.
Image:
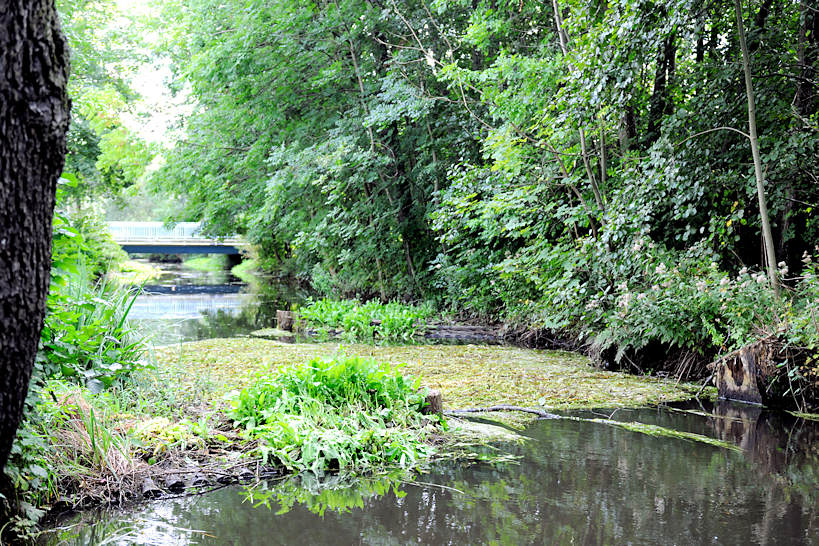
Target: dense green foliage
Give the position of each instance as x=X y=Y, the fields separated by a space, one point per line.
x=392 y=321
x=103 y=152
x=345 y=413
x=592 y=178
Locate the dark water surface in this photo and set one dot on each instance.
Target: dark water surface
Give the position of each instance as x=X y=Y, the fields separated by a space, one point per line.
x=576 y=483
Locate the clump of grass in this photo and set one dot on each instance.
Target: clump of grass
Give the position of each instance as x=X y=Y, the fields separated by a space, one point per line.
x=86 y=337
x=71 y=447
x=393 y=321
x=345 y=413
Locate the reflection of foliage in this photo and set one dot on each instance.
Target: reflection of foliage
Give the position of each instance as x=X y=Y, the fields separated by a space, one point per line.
x=337 y=493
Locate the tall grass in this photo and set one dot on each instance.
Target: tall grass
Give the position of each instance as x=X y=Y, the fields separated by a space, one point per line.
x=86 y=337
x=344 y=413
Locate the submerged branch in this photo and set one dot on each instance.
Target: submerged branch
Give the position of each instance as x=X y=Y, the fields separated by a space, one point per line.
x=540 y=413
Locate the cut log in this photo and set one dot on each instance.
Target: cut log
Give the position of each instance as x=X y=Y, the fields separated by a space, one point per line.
x=433 y=403
x=285 y=320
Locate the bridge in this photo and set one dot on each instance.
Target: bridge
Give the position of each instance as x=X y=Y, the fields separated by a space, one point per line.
x=183 y=238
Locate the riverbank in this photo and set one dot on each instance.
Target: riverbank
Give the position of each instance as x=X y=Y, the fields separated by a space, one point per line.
x=169 y=427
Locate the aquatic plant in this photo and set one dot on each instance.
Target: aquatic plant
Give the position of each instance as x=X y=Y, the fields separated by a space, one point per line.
x=393 y=321
x=328 y=414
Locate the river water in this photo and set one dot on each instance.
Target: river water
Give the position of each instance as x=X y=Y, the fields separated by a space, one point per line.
x=574 y=482
x=183 y=304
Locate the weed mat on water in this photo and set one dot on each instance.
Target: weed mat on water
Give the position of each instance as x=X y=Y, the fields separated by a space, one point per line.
x=467 y=375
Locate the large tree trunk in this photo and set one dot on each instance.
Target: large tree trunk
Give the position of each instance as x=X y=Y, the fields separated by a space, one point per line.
x=34 y=116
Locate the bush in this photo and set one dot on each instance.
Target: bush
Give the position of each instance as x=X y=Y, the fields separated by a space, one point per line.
x=342 y=413
x=624 y=296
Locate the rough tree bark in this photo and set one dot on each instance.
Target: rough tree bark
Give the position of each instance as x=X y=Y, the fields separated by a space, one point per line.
x=34 y=117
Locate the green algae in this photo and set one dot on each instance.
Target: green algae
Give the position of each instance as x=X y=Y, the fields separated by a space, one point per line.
x=467 y=375
x=658 y=431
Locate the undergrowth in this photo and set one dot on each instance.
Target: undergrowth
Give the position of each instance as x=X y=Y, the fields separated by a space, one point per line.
x=331 y=414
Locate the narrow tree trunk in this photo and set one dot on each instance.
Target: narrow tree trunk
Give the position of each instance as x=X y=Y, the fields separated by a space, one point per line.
x=767 y=238
x=804 y=101
x=660 y=104
x=564 y=47
x=371 y=136
x=34 y=116
x=598 y=197
x=603 y=156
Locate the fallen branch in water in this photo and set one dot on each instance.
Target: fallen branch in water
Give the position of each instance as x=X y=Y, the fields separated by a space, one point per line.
x=540 y=413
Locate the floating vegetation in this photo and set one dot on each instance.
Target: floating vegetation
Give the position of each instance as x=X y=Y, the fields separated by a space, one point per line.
x=655 y=430
x=467 y=375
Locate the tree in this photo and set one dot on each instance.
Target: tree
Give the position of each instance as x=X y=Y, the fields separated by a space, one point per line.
x=767 y=237
x=34 y=119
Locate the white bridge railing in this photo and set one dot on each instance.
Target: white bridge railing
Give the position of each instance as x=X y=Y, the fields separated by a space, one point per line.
x=156 y=232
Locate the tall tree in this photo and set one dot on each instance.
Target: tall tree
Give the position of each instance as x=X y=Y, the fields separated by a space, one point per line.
x=34 y=118
x=767 y=237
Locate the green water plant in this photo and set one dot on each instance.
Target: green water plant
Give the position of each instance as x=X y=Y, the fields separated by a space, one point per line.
x=342 y=413
x=393 y=321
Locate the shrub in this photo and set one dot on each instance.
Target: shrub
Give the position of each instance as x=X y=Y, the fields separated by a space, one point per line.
x=332 y=414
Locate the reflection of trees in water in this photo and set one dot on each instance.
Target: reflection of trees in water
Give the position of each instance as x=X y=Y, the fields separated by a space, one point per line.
x=265 y=297
x=577 y=482
x=585 y=483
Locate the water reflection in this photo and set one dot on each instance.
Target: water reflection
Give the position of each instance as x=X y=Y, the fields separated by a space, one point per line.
x=186 y=305
x=577 y=483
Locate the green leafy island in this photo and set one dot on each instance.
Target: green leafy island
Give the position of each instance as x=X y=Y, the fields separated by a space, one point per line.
x=345 y=413
x=393 y=321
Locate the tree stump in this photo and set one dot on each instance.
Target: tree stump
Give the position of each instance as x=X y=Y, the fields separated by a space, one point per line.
x=433 y=403
x=284 y=320
x=740 y=374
